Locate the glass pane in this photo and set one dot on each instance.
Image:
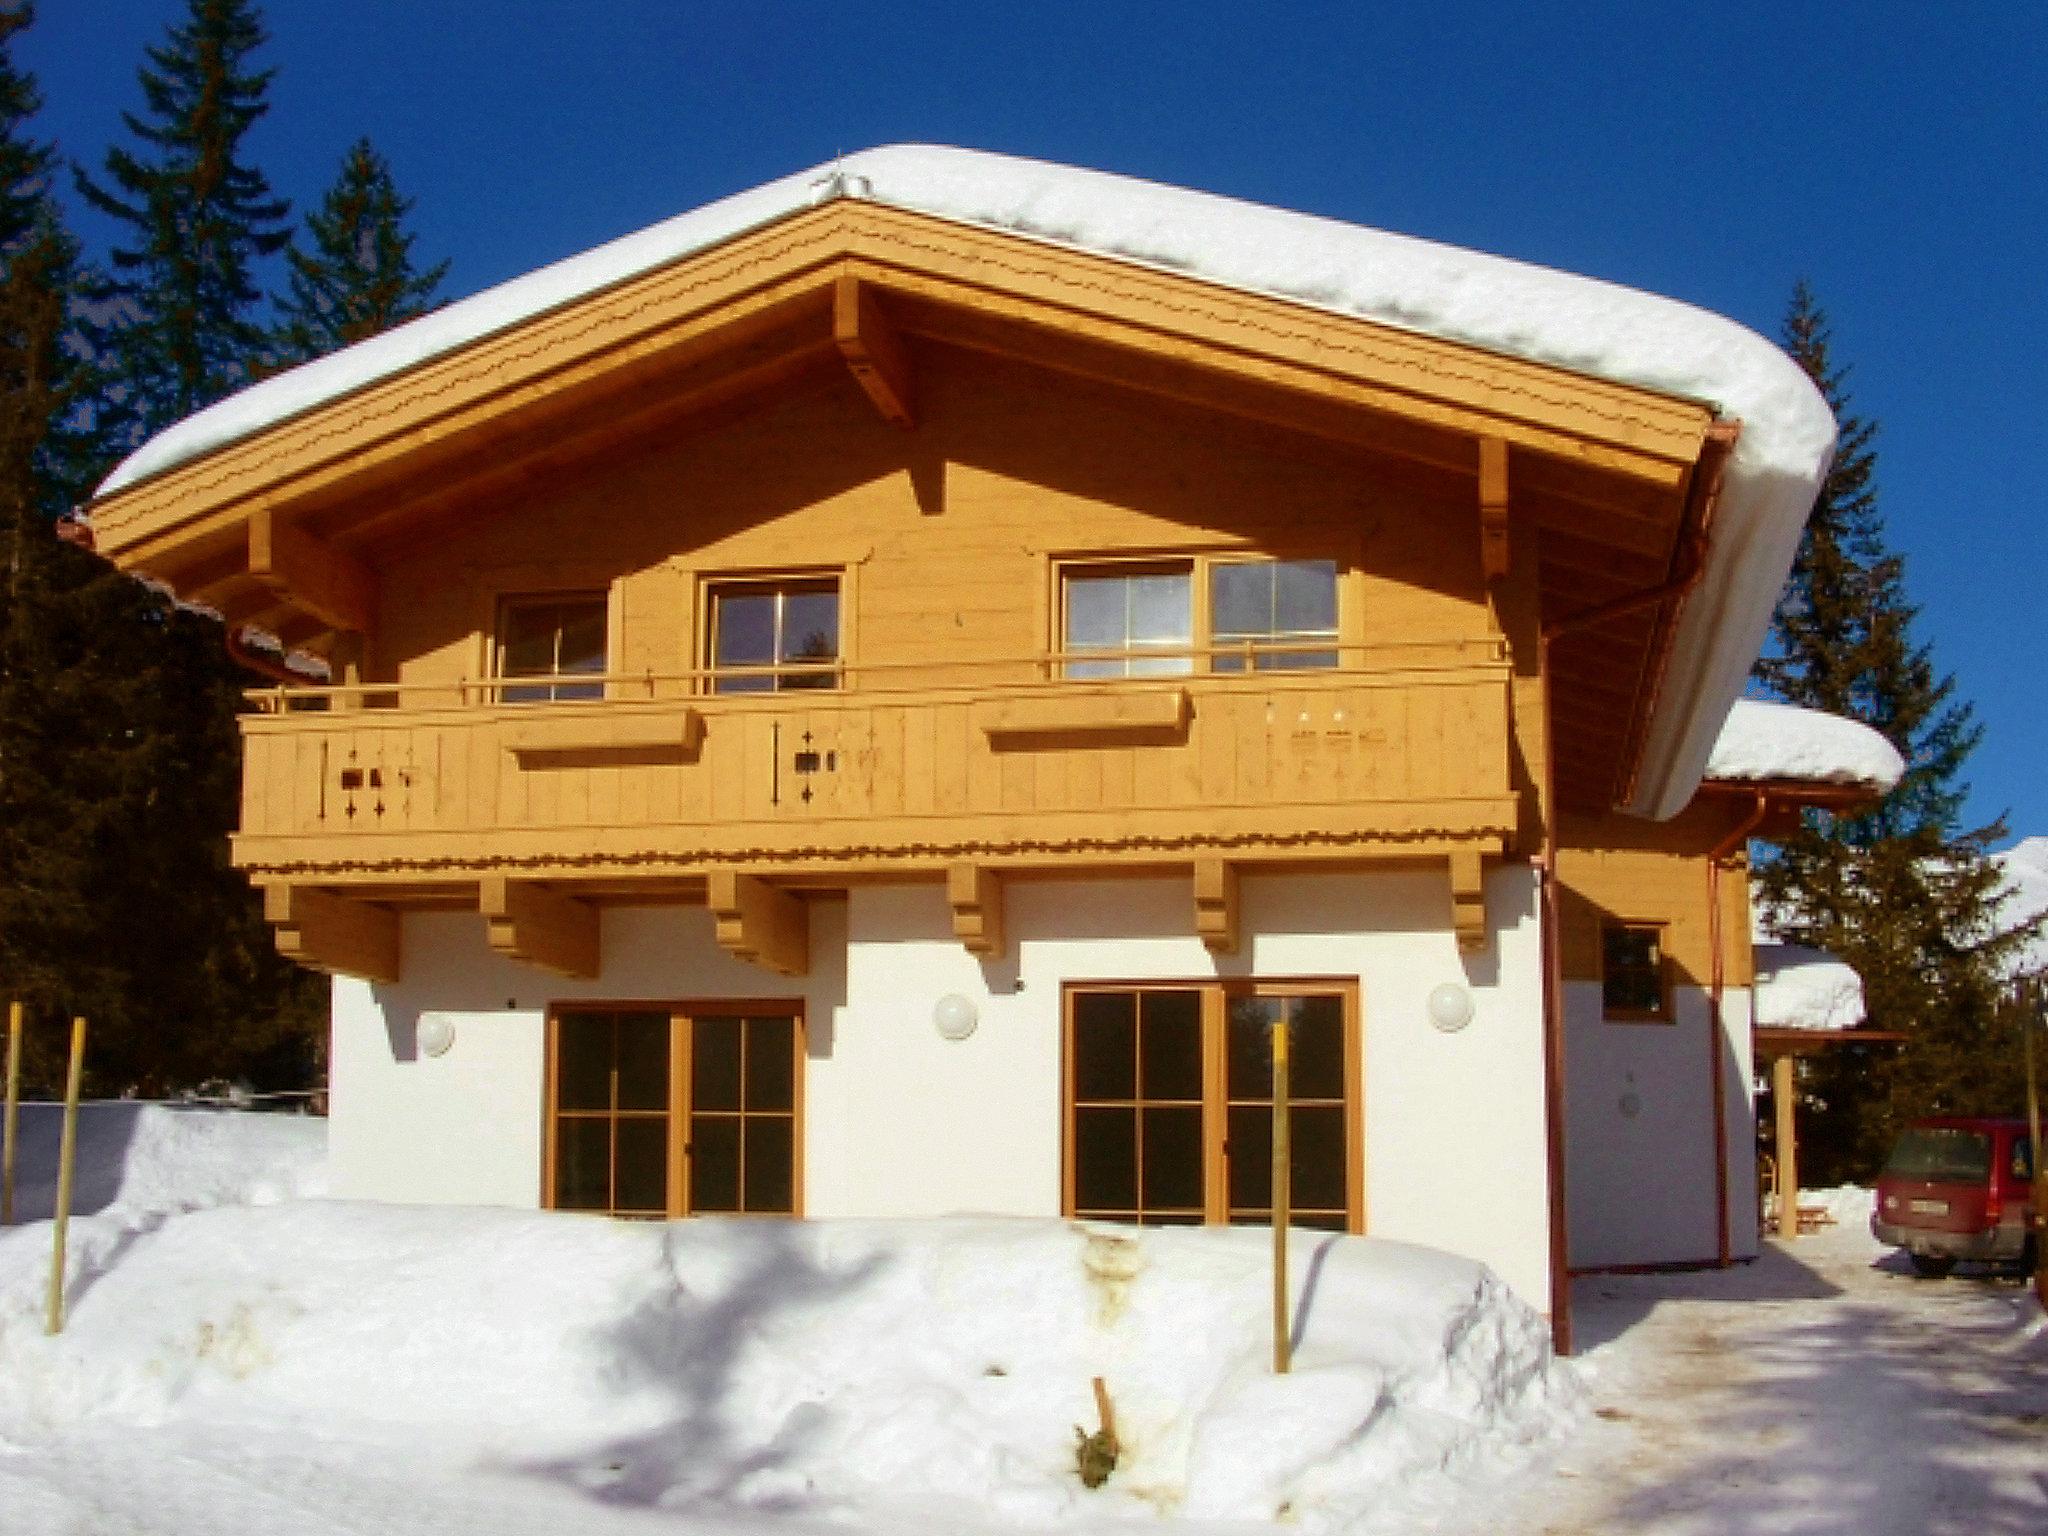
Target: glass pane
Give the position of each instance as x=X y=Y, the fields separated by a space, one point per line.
x=744 y=626
x=810 y=626
x=771 y=1064
x=1304 y=596
x=582 y=637
x=643 y=1164
x=714 y=1163
x=715 y=1064
x=583 y=1149
x=1315 y=1051
x=1105 y=1045
x=526 y=640
x=1095 y=612
x=1241 y=599
x=1095 y=669
x=1170 y=1044
x=1173 y=1158
x=583 y=1061
x=1105 y=1159
x=1162 y=608
x=1294 y=661
x=771 y=1164
x=1250 y=1058
x=1161 y=666
x=643 y=1060
x=1250 y=1152
x=744 y=682
x=1632 y=973
x=1315 y=1153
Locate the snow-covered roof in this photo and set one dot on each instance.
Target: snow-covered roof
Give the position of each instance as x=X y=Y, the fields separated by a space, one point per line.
x=1765 y=741
x=2025 y=897
x=1802 y=988
x=1533 y=312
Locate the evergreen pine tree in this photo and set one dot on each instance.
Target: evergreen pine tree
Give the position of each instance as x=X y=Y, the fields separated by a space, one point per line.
x=1901 y=892
x=118 y=757
x=199 y=217
x=358 y=277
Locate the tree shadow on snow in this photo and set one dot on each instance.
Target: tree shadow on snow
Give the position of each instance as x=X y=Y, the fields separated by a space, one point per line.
x=1604 y=1307
x=1925 y=1412
x=687 y=1346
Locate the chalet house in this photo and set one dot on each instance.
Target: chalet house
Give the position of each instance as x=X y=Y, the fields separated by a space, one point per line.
x=874 y=697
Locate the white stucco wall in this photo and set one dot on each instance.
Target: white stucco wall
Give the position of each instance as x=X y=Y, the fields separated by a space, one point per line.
x=1639 y=1142
x=901 y=1122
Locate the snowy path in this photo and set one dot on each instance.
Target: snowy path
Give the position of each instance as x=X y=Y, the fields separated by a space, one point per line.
x=1819 y=1390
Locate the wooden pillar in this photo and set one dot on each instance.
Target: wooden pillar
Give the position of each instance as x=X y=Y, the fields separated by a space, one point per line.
x=1783 y=1094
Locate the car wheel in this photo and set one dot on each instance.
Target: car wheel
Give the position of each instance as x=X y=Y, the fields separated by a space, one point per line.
x=1931 y=1266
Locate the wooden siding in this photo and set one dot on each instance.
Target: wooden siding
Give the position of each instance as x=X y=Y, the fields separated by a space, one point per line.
x=1622 y=869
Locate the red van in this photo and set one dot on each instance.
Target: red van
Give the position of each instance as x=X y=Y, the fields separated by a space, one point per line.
x=1958 y=1187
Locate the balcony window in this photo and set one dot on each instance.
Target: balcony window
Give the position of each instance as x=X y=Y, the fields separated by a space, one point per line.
x=1269 y=610
x=769 y=636
x=553 y=637
x=1121 y=612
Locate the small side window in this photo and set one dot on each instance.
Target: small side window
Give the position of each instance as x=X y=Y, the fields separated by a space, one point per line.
x=1632 y=979
x=552 y=637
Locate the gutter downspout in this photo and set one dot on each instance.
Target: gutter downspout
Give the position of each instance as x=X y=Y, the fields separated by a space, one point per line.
x=1688 y=566
x=1716 y=945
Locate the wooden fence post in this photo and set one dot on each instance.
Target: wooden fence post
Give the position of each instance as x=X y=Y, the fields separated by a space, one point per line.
x=1283 y=1197
x=67 y=1162
x=8 y=1116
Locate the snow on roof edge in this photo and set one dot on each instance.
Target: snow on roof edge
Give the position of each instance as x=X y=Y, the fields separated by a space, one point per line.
x=1538 y=313
x=1763 y=739
x=1799 y=987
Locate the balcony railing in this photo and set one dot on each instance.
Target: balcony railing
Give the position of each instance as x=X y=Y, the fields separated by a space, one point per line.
x=897 y=765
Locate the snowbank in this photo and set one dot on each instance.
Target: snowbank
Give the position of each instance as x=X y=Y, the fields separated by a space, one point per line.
x=918 y=1372
x=165 y=1157
x=1763 y=740
x=1798 y=987
x=1508 y=306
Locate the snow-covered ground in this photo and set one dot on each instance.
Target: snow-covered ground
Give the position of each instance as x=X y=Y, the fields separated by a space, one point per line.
x=299 y=1365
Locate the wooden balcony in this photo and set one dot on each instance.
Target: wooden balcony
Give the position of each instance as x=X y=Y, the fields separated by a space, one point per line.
x=416 y=789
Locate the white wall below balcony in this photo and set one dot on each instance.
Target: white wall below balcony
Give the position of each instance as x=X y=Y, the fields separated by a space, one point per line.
x=899 y=1122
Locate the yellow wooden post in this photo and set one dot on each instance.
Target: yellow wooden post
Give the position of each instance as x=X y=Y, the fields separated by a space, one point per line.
x=1283 y=1197
x=67 y=1162
x=1782 y=1094
x=2030 y=1021
x=7 y=1116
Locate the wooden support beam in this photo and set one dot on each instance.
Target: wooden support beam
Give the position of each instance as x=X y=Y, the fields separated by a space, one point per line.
x=1468 y=898
x=873 y=349
x=975 y=893
x=1493 y=507
x=1216 y=904
x=1784 y=1104
x=316 y=578
x=540 y=926
x=758 y=923
x=333 y=933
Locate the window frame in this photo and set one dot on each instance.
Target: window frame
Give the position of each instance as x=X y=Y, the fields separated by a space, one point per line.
x=1202 y=649
x=1215 y=997
x=712 y=585
x=682 y=1017
x=1664 y=1012
x=503 y=683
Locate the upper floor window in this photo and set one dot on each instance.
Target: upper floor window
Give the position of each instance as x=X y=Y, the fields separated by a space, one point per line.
x=772 y=634
x=1271 y=611
x=1121 y=612
x=553 y=636
x=1241 y=614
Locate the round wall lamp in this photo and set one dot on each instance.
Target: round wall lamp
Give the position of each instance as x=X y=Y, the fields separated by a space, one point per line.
x=1450 y=1006
x=435 y=1034
x=954 y=1016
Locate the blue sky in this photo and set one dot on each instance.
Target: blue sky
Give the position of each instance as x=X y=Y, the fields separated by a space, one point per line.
x=1896 y=155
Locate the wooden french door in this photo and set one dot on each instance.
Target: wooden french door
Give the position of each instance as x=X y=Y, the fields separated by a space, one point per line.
x=657 y=1111
x=1169 y=1103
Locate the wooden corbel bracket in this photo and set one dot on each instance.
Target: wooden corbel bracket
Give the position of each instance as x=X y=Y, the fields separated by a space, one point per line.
x=975 y=893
